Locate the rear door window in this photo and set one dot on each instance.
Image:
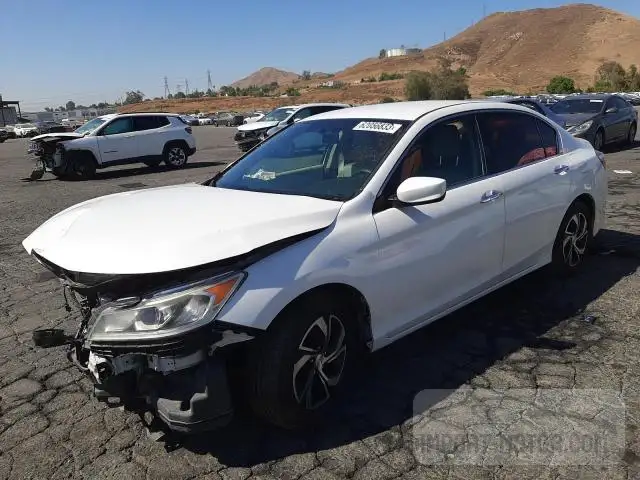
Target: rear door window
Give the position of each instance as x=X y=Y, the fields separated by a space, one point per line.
x=510 y=140
x=549 y=139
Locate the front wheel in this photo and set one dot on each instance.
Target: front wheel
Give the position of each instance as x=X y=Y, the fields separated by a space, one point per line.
x=175 y=156
x=598 y=140
x=298 y=366
x=573 y=239
x=631 y=134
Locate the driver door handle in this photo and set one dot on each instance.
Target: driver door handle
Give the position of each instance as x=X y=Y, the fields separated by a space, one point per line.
x=561 y=169
x=490 y=196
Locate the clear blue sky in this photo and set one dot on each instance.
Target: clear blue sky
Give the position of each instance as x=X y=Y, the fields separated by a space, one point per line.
x=90 y=51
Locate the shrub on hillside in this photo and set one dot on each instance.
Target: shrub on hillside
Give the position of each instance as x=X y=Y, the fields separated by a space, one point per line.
x=561 y=84
x=443 y=83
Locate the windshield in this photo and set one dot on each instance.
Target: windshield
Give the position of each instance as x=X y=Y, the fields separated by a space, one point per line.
x=331 y=159
x=90 y=126
x=278 y=114
x=581 y=105
x=27 y=125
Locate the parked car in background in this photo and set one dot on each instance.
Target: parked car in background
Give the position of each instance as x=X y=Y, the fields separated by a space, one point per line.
x=4 y=135
x=11 y=130
x=116 y=139
x=25 y=130
x=338 y=236
x=190 y=120
x=249 y=135
x=536 y=106
x=601 y=119
x=632 y=98
x=205 y=121
x=254 y=117
x=227 y=119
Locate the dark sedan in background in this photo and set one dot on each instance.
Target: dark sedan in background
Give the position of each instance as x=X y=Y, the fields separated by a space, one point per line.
x=601 y=119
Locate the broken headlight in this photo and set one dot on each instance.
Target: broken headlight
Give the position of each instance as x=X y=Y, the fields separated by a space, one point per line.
x=166 y=313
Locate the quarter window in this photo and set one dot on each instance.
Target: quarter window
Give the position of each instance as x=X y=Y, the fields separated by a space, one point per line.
x=448 y=150
x=120 y=125
x=549 y=139
x=147 y=122
x=510 y=140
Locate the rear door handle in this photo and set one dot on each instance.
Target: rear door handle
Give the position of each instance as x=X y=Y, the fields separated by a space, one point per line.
x=490 y=196
x=561 y=169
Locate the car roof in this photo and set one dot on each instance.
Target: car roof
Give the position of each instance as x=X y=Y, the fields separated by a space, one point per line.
x=591 y=96
x=144 y=114
x=406 y=110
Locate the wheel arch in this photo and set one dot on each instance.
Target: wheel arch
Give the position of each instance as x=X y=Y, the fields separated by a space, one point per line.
x=351 y=296
x=590 y=203
x=177 y=141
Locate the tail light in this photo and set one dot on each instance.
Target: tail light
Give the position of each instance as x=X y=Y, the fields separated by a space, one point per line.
x=188 y=130
x=600 y=156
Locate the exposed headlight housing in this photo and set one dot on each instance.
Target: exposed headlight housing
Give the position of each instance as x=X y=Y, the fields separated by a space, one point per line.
x=167 y=313
x=583 y=127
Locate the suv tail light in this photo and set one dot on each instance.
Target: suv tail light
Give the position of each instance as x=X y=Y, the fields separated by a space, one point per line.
x=188 y=130
x=600 y=156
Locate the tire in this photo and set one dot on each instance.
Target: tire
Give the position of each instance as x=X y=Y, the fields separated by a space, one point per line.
x=292 y=352
x=81 y=166
x=572 y=240
x=598 y=140
x=153 y=163
x=175 y=155
x=631 y=135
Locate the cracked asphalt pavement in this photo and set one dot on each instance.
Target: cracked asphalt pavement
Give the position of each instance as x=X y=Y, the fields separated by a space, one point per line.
x=537 y=334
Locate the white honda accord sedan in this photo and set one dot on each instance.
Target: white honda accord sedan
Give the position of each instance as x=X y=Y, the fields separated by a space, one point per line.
x=339 y=235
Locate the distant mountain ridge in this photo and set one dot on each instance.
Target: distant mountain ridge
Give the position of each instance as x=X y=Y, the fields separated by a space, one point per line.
x=265 y=76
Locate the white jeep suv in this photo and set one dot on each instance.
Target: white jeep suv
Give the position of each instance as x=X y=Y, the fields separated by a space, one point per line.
x=116 y=139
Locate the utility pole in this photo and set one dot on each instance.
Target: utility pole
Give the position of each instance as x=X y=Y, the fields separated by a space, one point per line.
x=186 y=86
x=166 y=88
x=209 y=82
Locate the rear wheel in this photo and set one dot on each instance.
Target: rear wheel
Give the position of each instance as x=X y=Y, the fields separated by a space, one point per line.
x=573 y=239
x=175 y=156
x=299 y=365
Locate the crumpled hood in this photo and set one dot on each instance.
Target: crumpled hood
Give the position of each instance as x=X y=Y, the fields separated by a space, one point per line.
x=573 y=119
x=249 y=127
x=171 y=228
x=59 y=135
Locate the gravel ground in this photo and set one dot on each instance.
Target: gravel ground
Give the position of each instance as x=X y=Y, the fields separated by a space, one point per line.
x=538 y=333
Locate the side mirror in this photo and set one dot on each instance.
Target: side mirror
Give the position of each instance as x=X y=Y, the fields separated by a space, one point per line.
x=611 y=110
x=421 y=190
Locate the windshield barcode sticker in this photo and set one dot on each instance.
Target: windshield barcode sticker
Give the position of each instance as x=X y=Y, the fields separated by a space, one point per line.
x=596 y=101
x=381 y=127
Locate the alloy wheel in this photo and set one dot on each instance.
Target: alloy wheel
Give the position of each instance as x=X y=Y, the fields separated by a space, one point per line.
x=177 y=156
x=598 y=141
x=576 y=235
x=323 y=352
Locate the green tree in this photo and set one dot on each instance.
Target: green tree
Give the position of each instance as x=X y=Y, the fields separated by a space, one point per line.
x=383 y=53
x=561 y=84
x=449 y=84
x=292 y=92
x=179 y=95
x=306 y=75
x=70 y=105
x=633 y=79
x=418 y=86
x=133 y=96
x=611 y=77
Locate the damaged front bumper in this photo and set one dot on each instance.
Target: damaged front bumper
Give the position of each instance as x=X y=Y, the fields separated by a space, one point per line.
x=183 y=381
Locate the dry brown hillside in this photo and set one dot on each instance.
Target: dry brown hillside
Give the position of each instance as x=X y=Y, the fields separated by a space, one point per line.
x=265 y=76
x=523 y=50
x=519 y=51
